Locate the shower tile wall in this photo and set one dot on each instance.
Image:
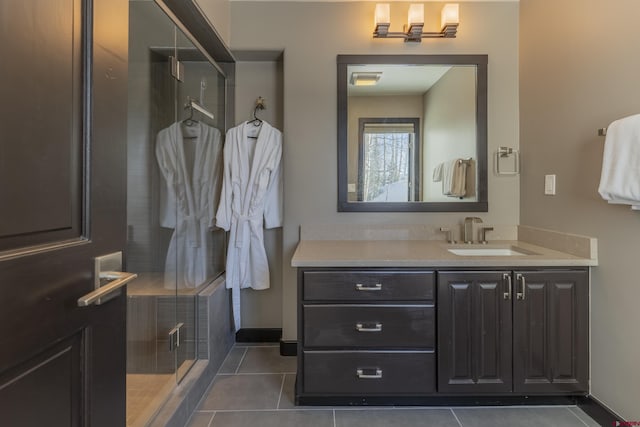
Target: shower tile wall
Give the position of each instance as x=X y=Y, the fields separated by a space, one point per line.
x=151 y=101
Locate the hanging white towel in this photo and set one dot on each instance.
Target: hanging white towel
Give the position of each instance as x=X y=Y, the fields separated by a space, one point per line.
x=454 y=178
x=620 y=177
x=437 y=172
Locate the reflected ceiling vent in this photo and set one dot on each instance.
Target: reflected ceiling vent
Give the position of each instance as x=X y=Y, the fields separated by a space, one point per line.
x=369 y=78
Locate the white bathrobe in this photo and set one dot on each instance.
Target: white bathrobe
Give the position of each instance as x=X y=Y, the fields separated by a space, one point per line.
x=189 y=158
x=251 y=198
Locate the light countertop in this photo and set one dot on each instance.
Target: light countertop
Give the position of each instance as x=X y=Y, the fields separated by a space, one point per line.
x=426 y=253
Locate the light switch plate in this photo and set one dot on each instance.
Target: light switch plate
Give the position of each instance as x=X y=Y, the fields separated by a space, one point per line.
x=550 y=185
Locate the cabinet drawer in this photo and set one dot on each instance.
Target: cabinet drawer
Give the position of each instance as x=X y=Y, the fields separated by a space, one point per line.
x=368 y=372
x=368 y=285
x=351 y=325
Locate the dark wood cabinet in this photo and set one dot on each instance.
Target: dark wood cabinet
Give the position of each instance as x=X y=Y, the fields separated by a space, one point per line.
x=474 y=332
x=524 y=332
x=412 y=336
x=365 y=334
x=551 y=331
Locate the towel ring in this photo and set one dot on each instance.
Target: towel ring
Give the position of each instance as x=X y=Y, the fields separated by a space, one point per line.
x=504 y=152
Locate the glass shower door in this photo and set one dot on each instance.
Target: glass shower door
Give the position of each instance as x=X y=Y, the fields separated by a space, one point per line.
x=151 y=212
x=201 y=98
x=176 y=129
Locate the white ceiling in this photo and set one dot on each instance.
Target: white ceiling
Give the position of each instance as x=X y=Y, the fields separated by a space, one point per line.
x=397 y=79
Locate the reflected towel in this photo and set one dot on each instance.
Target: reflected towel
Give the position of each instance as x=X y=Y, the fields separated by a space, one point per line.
x=620 y=177
x=454 y=178
x=437 y=173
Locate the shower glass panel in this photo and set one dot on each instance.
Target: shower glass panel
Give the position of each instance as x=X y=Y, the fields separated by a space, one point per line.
x=174 y=176
x=201 y=98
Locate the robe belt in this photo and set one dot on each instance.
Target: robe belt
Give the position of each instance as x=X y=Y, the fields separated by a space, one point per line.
x=193 y=228
x=244 y=222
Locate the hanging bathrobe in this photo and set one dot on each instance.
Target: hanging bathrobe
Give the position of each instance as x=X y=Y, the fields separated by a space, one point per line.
x=189 y=157
x=251 y=198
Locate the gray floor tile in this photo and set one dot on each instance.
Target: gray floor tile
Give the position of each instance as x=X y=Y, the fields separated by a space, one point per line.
x=232 y=361
x=263 y=390
x=200 y=419
x=517 y=417
x=395 y=417
x=287 y=399
x=590 y=422
x=234 y=392
x=266 y=360
x=320 y=418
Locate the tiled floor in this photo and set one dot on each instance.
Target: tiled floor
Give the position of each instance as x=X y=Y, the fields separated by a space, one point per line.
x=254 y=388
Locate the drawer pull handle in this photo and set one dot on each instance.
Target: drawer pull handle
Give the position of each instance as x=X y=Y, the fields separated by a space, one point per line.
x=521 y=279
x=507 y=277
x=361 y=287
x=371 y=327
x=374 y=376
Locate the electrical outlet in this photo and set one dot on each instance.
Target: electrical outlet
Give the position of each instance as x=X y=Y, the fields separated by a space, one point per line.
x=550 y=185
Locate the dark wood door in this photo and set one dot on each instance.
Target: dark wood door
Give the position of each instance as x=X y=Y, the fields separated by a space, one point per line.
x=551 y=331
x=474 y=332
x=62 y=203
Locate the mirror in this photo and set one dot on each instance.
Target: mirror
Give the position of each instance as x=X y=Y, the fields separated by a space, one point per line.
x=412 y=133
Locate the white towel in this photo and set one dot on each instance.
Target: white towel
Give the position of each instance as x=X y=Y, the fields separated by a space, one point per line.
x=437 y=172
x=620 y=177
x=454 y=178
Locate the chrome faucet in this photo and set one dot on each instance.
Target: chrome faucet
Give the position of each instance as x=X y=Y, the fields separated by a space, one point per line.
x=449 y=235
x=468 y=228
x=483 y=235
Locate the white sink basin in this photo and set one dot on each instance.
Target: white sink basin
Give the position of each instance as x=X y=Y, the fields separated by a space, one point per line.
x=510 y=251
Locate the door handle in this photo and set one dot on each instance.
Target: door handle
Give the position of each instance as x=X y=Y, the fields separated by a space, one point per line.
x=117 y=280
x=523 y=283
x=507 y=277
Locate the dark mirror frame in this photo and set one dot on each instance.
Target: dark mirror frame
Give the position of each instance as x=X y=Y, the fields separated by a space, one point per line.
x=479 y=205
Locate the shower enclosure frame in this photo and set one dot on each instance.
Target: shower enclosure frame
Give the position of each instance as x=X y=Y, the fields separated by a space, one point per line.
x=194 y=41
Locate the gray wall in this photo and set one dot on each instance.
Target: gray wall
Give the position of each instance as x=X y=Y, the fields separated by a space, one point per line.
x=450 y=104
x=311 y=35
x=218 y=12
x=579 y=70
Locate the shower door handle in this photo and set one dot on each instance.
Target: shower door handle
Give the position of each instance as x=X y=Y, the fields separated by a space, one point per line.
x=117 y=279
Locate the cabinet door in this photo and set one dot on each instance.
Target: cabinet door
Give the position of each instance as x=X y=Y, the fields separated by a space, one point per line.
x=551 y=331
x=474 y=332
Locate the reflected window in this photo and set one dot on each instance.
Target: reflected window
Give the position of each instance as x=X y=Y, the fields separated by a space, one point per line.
x=389 y=160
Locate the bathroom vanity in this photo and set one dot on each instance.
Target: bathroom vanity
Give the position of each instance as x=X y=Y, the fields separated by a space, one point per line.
x=393 y=322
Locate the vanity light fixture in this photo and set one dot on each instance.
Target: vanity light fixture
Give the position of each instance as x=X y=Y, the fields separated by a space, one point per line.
x=413 y=31
x=369 y=78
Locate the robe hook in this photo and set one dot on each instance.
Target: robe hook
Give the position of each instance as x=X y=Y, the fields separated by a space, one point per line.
x=259 y=106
